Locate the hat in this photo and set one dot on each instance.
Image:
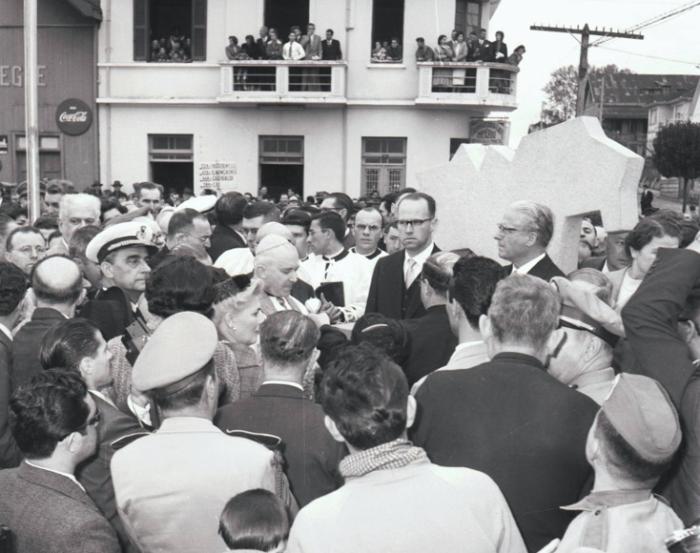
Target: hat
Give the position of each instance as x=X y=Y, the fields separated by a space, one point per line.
x=238 y=261
x=271 y=242
x=583 y=310
x=181 y=345
x=121 y=235
x=203 y=204
x=116 y=184
x=640 y=409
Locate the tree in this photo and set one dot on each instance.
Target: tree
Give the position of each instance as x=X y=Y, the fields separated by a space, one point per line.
x=562 y=90
x=677 y=153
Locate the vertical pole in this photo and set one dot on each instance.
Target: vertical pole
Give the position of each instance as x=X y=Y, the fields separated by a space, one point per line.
x=583 y=70
x=31 y=107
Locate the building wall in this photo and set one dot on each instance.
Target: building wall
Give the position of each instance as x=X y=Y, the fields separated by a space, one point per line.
x=66 y=56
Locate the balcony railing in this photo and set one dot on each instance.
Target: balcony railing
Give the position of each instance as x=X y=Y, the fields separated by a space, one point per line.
x=492 y=85
x=283 y=81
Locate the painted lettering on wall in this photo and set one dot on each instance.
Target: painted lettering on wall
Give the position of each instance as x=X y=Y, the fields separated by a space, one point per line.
x=13 y=75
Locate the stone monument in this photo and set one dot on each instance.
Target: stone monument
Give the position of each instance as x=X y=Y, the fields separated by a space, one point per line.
x=573 y=168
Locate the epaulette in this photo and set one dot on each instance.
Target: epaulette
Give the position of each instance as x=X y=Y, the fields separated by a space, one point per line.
x=125 y=440
x=270 y=441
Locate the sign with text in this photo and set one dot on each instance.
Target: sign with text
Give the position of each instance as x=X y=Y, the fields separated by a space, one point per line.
x=216 y=175
x=73 y=117
x=13 y=75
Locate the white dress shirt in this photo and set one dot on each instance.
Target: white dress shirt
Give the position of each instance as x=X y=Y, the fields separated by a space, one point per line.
x=293 y=51
x=6 y=331
x=525 y=268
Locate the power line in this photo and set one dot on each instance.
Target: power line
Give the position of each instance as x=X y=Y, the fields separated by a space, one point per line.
x=695 y=63
x=653 y=21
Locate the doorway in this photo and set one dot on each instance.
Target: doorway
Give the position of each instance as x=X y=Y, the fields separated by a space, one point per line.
x=280 y=178
x=174 y=176
x=284 y=14
x=282 y=164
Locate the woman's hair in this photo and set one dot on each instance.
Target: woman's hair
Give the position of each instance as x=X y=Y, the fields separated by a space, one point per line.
x=234 y=294
x=437 y=270
x=180 y=284
x=288 y=338
x=254 y=519
x=387 y=335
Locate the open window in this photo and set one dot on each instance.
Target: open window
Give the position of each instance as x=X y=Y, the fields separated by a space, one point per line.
x=170 y=30
x=468 y=16
x=282 y=15
x=387 y=31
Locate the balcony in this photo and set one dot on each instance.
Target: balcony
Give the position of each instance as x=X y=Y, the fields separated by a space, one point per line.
x=247 y=82
x=454 y=84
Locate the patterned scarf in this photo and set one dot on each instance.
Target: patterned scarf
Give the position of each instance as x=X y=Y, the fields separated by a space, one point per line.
x=391 y=455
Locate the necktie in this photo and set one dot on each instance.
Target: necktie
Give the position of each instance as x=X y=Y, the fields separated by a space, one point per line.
x=411 y=272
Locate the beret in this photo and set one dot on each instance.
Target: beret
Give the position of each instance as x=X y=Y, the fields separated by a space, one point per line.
x=641 y=411
x=180 y=346
x=203 y=204
x=238 y=261
x=121 y=235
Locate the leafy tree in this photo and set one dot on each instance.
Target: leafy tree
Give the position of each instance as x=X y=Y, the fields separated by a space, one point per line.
x=562 y=91
x=677 y=153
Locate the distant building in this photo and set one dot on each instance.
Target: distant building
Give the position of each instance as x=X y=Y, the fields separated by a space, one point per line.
x=351 y=124
x=67 y=46
x=684 y=107
x=629 y=101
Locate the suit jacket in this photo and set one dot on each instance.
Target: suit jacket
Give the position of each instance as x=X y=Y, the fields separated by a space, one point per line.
x=311 y=454
x=94 y=473
x=658 y=351
x=496 y=47
x=594 y=262
x=513 y=421
x=48 y=512
x=27 y=343
x=387 y=291
x=331 y=51
x=111 y=312
x=223 y=239
x=10 y=455
x=544 y=269
x=432 y=343
x=312 y=46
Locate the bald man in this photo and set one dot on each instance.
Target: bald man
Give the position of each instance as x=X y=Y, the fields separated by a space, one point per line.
x=57 y=285
x=276 y=264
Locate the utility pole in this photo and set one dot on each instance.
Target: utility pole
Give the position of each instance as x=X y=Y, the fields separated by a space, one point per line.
x=586 y=32
x=31 y=107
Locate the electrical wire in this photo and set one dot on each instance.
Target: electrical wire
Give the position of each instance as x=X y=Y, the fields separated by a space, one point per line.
x=686 y=62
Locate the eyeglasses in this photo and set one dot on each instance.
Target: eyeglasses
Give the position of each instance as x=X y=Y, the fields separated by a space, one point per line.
x=403 y=223
x=371 y=228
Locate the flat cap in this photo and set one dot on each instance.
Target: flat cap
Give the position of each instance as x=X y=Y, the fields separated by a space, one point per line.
x=121 y=235
x=202 y=204
x=641 y=411
x=181 y=345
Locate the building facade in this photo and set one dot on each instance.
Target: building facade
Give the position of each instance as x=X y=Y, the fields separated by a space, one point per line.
x=685 y=107
x=348 y=124
x=67 y=59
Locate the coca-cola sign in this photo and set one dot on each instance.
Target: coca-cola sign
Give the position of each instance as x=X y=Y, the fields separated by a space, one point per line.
x=73 y=117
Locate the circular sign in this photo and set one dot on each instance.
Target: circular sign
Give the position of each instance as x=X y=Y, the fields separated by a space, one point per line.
x=73 y=117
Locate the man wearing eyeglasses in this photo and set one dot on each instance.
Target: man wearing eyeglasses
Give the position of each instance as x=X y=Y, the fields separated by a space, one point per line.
x=54 y=421
x=523 y=237
x=25 y=247
x=395 y=290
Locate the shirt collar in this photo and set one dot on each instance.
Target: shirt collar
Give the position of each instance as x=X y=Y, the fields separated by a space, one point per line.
x=66 y=474
x=6 y=331
x=470 y=345
x=284 y=383
x=609 y=498
x=527 y=267
x=422 y=256
x=337 y=257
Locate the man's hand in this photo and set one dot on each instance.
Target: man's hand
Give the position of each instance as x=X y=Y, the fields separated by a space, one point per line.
x=334 y=313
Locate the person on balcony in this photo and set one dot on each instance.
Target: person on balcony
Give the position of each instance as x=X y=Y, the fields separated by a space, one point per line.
x=261 y=44
x=330 y=48
x=484 y=46
x=273 y=47
x=444 y=51
x=249 y=48
x=311 y=43
x=517 y=56
x=453 y=38
x=473 y=48
x=423 y=52
x=395 y=51
x=233 y=49
x=460 y=48
x=379 y=52
x=499 y=49
x=292 y=50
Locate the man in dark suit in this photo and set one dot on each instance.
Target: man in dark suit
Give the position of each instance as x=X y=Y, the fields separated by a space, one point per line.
x=57 y=285
x=228 y=234
x=659 y=351
x=287 y=342
x=13 y=286
x=78 y=346
x=54 y=423
x=330 y=48
x=523 y=237
x=395 y=288
x=509 y=418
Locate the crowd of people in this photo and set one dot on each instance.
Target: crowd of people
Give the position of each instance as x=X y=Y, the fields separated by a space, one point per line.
x=271 y=45
x=475 y=48
x=233 y=373
x=175 y=48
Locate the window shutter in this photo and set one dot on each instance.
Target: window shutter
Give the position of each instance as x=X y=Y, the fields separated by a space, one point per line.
x=199 y=30
x=141 y=38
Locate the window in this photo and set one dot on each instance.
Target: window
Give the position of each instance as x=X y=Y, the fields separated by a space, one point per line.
x=281 y=149
x=282 y=164
x=383 y=165
x=170 y=30
x=49 y=157
x=455 y=143
x=387 y=25
x=282 y=15
x=468 y=16
x=171 y=161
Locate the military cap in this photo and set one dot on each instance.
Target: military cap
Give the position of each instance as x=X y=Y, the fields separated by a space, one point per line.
x=202 y=204
x=121 y=235
x=181 y=345
x=641 y=411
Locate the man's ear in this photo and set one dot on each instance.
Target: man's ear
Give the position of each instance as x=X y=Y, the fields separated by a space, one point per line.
x=106 y=268
x=411 y=408
x=85 y=367
x=554 y=342
x=333 y=429
x=485 y=327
